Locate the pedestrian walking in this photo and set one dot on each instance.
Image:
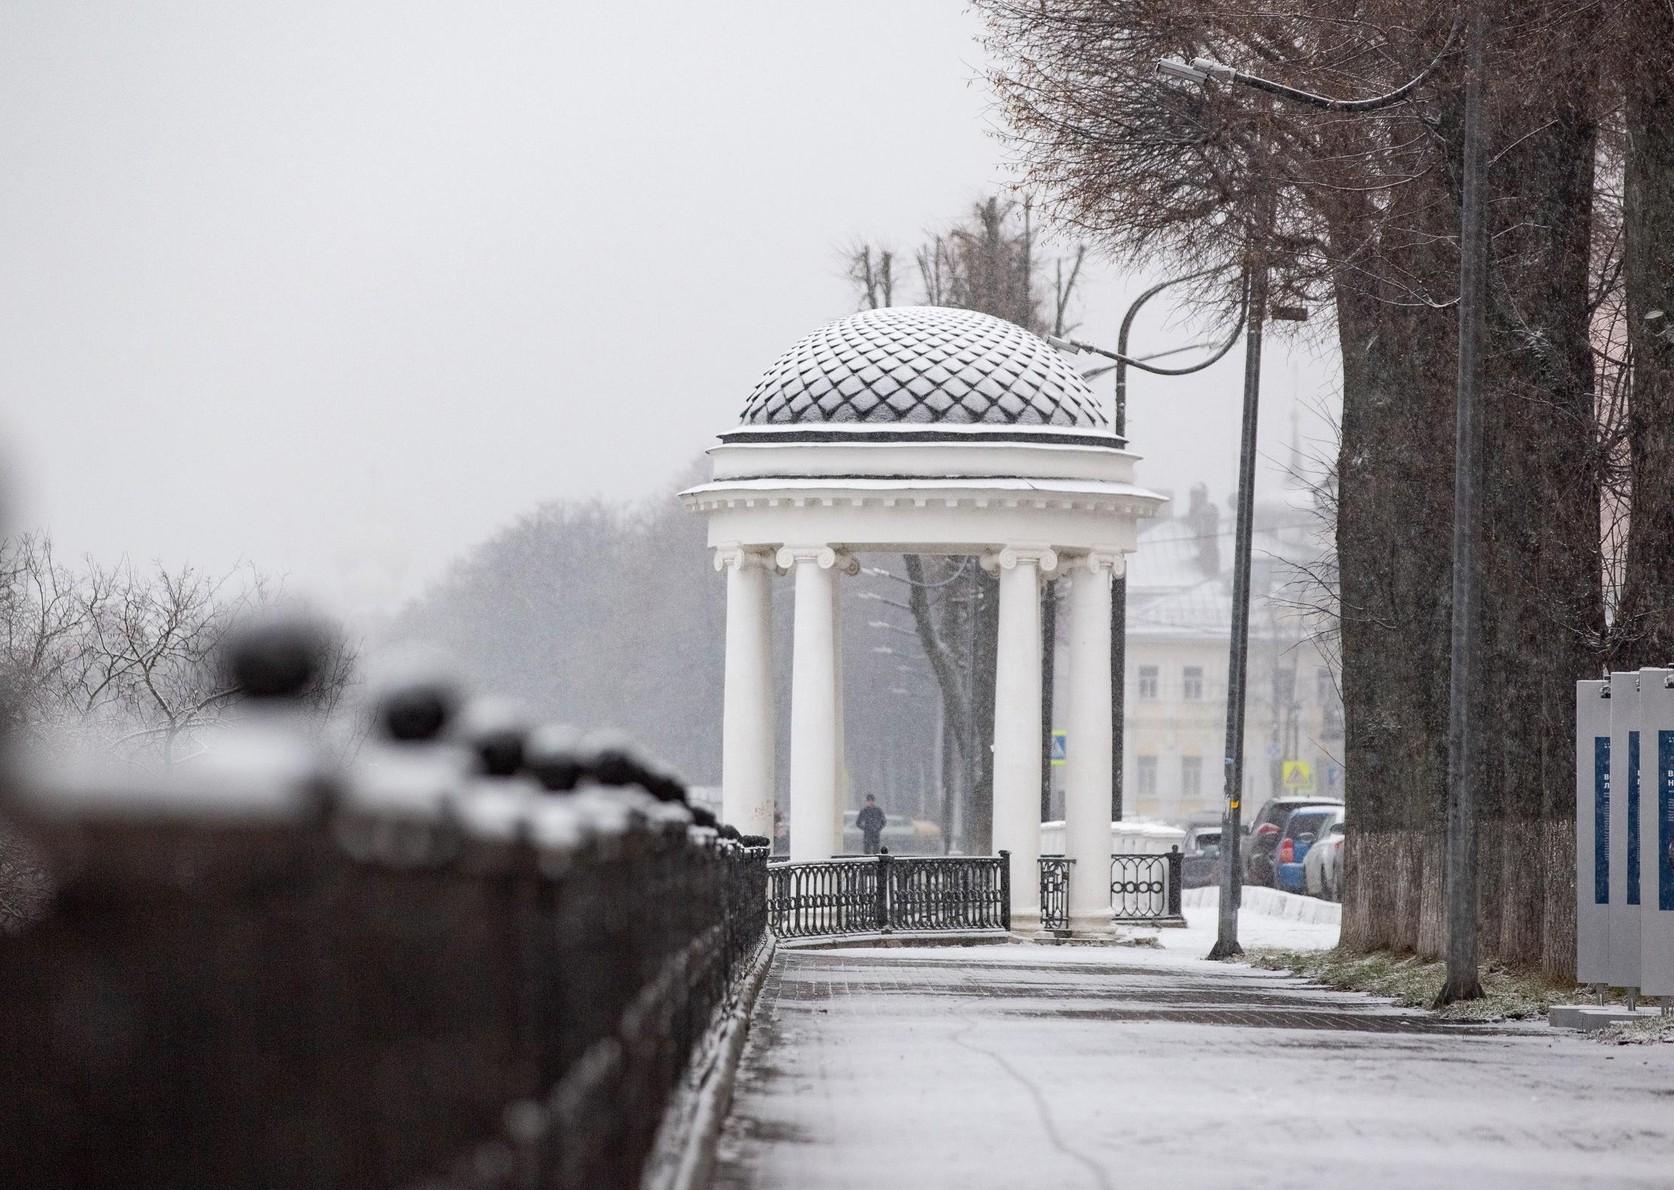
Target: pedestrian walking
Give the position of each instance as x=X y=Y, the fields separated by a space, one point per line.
x=871 y=821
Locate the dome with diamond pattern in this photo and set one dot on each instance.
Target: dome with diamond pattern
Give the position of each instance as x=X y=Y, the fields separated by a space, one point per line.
x=924 y=365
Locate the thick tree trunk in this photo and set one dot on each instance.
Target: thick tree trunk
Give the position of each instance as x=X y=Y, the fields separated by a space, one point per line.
x=1541 y=589
x=1394 y=502
x=1541 y=577
x=960 y=643
x=1644 y=627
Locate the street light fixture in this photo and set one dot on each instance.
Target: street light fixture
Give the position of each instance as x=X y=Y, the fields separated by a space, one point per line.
x=1187 y=72
x=1202 y=70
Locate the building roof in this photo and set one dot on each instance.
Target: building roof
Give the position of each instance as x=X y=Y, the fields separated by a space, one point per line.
x=1180 y=580
x=924 y=365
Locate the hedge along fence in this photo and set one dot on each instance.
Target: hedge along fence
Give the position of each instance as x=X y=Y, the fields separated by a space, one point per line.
x=443 y=966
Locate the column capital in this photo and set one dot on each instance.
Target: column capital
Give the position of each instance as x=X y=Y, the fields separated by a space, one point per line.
x=732 y=556
x=824 y=556
x=1101 y=559
x=1010 y=557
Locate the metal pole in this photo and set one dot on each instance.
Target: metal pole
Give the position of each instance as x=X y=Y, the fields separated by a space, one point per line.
x=1462 y=982
x=1226 y=940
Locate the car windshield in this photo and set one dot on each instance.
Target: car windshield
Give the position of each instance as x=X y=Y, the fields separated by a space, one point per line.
x=1306 y=822
x=1277 y=812
x=1208 y=842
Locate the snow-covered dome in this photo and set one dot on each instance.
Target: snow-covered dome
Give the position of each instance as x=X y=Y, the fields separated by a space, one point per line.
x=924 y=364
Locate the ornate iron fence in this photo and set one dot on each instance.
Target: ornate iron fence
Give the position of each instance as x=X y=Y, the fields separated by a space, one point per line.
x=839 y=896
x=1054 y=892
x=1139 y=887
x=884 y=893
x=1144 y=889
x=423 y=968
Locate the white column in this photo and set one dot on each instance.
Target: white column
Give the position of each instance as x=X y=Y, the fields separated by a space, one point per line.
x=747 y=775
x=813 y=734
x=1087 y=792
x=840 y=799
x=846 y=565
x=1017 y=703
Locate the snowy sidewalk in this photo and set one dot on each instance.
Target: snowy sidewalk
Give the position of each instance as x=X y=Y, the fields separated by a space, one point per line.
x=1028 y=1066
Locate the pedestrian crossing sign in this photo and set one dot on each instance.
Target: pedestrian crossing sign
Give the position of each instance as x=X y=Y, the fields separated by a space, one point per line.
x=1299 y=775
x=1060 y=747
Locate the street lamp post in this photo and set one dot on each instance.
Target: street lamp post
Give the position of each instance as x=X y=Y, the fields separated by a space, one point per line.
x=1462 y=981
x=1226 y=932
x=1251 y=315
x=1119 y=593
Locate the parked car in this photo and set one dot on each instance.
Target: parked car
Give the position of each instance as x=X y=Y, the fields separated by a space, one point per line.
x=1302 y=829
x=1264 y=832
x=1201 y=866
x=1322 y=868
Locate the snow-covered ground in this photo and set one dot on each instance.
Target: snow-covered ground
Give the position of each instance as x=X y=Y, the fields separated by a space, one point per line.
x=1267 y=918
x=1021 y=1066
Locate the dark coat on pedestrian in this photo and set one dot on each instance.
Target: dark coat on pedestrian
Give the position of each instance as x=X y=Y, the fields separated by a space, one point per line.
x=871 y=823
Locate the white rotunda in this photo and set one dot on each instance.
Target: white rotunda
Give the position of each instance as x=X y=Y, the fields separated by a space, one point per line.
x=924 y=430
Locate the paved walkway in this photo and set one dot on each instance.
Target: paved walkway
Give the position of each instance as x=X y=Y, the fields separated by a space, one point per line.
x=1023 y=1067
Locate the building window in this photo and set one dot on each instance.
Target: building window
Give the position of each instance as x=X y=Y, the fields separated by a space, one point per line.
x=1191 y=776
x=1192 y=683
x=1147 y=776
x=1148 y=682
x=1326 y=689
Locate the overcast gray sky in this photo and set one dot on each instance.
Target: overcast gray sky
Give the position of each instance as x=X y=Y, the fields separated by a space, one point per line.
x=340 y=288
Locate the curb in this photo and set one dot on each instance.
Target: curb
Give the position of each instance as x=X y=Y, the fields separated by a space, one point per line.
x=885 y=941
x=684 y=1155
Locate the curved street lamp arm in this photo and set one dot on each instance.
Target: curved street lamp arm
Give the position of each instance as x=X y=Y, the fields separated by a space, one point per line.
x=1132 y=362
x=1203 y=69
x=1122 y=342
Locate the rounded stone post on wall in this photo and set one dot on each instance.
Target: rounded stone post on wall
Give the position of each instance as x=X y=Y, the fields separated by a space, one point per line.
x=1088 y=782
x=1017 y=701
x=747 y=759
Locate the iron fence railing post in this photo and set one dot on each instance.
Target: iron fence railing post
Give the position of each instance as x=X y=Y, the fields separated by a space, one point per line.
x=885 y=864
x=1005 y=888
x=1176 y=865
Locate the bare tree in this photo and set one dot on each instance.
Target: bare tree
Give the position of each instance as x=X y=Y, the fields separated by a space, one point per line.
x=128 y=657
x=44 y=609
x=1361 y=212
x=989 y=261
x=872 y=270
x=1642 y=37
